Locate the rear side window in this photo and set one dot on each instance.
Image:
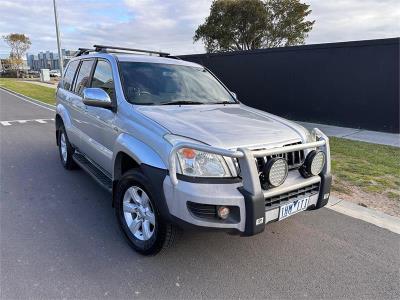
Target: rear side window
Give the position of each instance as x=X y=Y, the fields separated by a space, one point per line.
x=69 y=74
x=83 y=78
x=102 y=78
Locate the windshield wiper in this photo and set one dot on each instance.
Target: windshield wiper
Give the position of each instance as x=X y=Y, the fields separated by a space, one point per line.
x=224 y=102
x=180 y=102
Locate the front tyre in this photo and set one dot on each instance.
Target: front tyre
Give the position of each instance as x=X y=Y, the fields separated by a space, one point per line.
x=65 y=149
x=138 y=217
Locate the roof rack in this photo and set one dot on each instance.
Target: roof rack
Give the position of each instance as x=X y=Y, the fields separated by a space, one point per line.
x=103 y=48
x=82 y=51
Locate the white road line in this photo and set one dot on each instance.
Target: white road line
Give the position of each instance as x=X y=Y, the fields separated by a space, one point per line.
x=30 y=101
x=10 y=122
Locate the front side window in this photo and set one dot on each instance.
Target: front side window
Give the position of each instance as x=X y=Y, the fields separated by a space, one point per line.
x=83 y=78
x=102 y=78
x=159 y=84
x=69 y=74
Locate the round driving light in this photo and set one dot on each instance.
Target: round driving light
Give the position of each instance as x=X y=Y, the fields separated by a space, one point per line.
x=223 y=212
x=313 y=164
x=318 y=163
x=276 y=171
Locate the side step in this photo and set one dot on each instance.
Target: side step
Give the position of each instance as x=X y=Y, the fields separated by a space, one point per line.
x=94 y=171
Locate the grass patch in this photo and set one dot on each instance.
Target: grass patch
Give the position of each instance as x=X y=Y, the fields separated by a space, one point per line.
x=41 y=93
x=373 y=168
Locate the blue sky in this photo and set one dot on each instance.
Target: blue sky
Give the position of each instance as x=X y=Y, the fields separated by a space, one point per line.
x=169 y=25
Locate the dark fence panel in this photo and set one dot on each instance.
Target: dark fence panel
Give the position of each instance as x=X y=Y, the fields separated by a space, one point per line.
x=353 y=84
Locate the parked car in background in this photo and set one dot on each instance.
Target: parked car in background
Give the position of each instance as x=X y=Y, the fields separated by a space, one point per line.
x=55 y=73
x=176 y=148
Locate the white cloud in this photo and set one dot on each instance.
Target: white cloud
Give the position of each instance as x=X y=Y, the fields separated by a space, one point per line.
x=348 y=20
x=169 y=25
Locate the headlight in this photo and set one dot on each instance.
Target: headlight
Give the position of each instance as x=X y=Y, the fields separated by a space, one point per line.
x=310 y=136
x=313 y=164
x=199 y=163
x=202 y=164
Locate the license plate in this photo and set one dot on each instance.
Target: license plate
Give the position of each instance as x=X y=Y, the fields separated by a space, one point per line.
x=290 y=209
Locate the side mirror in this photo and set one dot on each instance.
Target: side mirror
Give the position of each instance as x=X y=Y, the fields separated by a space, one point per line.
x=96 y=97
x=234 y=95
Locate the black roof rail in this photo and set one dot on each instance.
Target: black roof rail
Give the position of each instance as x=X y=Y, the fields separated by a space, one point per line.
x=83 y=51
x=103 y=48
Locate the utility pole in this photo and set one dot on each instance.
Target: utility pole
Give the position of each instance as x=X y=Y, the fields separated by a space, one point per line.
x=60 y=60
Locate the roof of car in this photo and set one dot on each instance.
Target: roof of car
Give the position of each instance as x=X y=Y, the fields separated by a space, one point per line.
x=153 y=59
x=128 y=57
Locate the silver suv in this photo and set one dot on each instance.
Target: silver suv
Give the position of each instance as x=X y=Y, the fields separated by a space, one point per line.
x=176 y=148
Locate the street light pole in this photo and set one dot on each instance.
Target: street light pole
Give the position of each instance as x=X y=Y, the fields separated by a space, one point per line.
x=60 y=60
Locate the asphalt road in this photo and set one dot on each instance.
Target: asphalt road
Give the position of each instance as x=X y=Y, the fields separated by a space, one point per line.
x=59 y=239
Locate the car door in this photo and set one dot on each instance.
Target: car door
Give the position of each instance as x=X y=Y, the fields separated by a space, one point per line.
x=78 y=108
x=101 y=121
x=65 y=96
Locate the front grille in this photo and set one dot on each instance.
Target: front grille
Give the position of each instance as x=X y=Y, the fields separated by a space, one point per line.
x=294 y=160
x=306 y=191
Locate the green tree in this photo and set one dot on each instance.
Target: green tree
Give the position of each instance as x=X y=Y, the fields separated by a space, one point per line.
x=252 y=24
x=19 y=44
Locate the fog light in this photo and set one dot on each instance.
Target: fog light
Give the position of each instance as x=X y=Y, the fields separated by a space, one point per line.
x=276 y=171
x=313 y=164
x=223 y=212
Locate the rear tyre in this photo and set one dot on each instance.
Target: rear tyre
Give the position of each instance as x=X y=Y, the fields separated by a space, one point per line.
x=66 y=150
x=138 y=216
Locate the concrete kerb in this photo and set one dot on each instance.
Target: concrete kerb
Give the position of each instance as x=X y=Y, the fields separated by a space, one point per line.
x=369 y=215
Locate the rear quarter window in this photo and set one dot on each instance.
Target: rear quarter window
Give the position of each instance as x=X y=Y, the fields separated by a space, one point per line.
x=69 y=74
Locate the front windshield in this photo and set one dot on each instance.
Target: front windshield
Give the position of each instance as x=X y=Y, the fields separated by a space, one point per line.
x=161 y=84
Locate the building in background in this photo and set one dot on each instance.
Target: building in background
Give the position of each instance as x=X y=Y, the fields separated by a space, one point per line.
x=48 y=59
x=6 y=67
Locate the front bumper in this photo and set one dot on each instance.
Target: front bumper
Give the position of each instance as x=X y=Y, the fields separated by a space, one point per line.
x=249 y=208
x=250 y=201
x=178 y=196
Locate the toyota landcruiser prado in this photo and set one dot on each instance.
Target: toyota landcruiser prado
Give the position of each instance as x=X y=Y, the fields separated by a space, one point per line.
x=176 y=148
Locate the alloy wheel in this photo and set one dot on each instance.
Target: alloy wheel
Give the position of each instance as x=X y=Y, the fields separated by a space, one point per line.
x=139 y=213
x=63 y=147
